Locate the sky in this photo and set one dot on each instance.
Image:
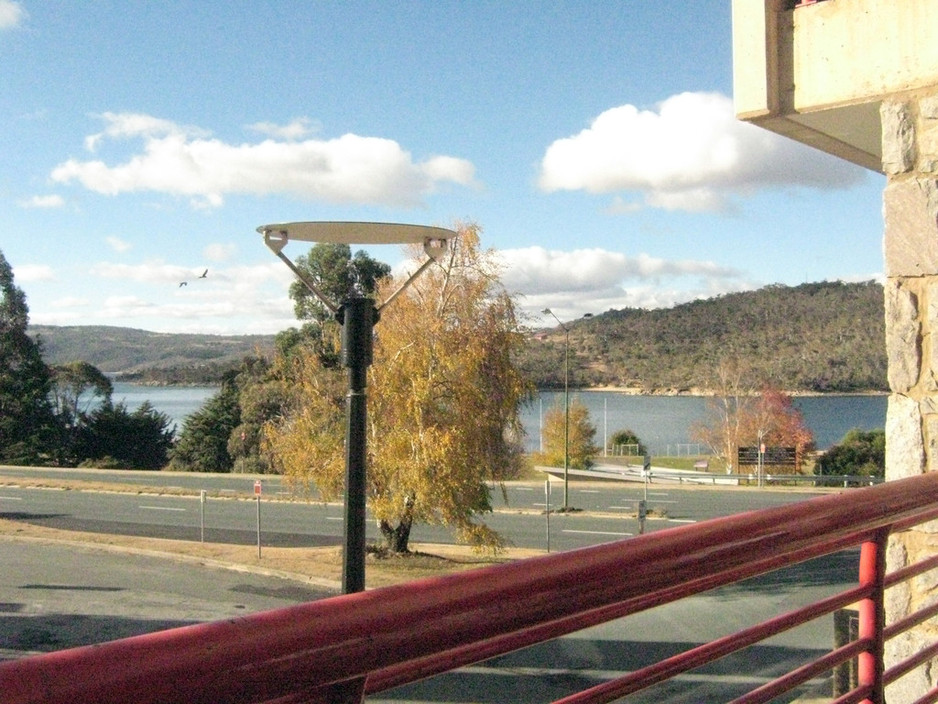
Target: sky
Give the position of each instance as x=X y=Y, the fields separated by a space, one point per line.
x=594 y=144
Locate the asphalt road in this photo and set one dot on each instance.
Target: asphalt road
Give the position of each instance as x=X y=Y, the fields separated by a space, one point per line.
x=607 y=511
x=55 y=596
x=58 y=597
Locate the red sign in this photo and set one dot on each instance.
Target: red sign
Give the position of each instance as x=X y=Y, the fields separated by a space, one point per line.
x=257 y=488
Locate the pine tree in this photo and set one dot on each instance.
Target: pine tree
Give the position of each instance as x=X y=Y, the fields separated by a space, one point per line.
x=28 y=427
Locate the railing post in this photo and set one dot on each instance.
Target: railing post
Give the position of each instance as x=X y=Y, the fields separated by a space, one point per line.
x=872 y=616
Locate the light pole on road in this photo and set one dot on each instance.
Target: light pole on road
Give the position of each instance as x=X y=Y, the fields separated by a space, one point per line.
x=566 y=407
x=357 y=314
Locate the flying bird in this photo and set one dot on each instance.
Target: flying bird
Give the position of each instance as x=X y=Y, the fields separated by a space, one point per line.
x=204 y=274
x=183 y=283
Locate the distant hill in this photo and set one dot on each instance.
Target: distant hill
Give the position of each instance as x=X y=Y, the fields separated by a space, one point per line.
x=821 y=337
x=140 y=355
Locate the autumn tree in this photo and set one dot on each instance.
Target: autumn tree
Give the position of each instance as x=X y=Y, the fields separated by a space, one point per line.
x=722 y=429
x=738 y=417
x=444 y=402
x=578 y=443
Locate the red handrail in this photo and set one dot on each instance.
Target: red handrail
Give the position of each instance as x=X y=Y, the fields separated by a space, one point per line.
x=335 y=649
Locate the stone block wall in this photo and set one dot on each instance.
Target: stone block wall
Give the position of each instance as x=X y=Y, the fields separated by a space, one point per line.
x=910 y=248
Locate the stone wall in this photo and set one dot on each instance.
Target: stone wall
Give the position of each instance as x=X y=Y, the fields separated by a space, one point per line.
x=910 y=248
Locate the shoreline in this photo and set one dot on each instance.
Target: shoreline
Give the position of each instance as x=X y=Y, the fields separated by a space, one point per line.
x=701 y=393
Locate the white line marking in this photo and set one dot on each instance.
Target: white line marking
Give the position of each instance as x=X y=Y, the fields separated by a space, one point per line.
x=682 y=520
x=523 y=488
x=160 y=508
x=595 y=532
x=11 y=498
x=589 y=491
x=334 y=518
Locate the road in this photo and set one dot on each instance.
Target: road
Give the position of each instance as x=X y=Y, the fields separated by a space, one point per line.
x=57 y=597
x=607 y=511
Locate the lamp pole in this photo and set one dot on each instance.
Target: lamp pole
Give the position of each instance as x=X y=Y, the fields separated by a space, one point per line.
x=566 y=407
x=357 y=315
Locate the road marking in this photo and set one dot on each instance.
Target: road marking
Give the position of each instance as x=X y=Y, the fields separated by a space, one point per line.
x=650 y=502
x=589 y=491
x=334 y=518
x=516 y=671
x=682 y=520
x=524 y=488
x=11 y=498
x=595 y=532
x=160 y=508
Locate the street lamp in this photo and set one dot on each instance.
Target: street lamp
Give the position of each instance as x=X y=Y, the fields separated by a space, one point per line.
x=566 y=406
x=357 y=314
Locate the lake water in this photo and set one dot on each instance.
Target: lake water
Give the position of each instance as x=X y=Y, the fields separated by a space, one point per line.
x=660 y=421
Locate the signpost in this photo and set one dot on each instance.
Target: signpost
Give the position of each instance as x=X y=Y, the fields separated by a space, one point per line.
x=771 y=456
x=762 y=456
x=257 y=498
x=202 y=516
x=547 y=503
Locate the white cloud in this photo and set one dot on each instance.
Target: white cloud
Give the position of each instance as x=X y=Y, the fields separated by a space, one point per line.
x=118 y=245
x=12 y=14
x=186 y=162
x=149 y=272
x=689 y=154
x=573 y=283
x=49 y=201
x=245 y=299
x=26 y=273
x=70 y=302
x=295 y=129
x=220 y=252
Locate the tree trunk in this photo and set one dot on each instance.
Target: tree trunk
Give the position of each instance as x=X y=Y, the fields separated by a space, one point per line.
x=397 y=539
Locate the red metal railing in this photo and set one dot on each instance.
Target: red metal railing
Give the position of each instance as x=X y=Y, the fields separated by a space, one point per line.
x=337 y=650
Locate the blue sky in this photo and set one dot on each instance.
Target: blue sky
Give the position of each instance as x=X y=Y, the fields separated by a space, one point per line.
x=594 y=144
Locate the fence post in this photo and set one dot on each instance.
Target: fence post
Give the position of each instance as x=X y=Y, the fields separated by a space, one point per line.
x=872 y=616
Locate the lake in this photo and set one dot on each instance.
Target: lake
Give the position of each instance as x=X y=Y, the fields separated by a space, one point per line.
x=660 y=421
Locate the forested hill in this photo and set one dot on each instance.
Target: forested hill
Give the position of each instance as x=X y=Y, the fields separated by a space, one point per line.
x=148 y=356
x=822 y=337
x=814 y=337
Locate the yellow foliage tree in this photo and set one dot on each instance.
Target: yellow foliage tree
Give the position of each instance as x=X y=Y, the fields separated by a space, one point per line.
x=579 y=442
x=444 y=398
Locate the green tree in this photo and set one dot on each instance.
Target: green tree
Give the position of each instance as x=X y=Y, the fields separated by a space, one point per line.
x=629 y=438
x=203 y=443
x=116 y=438
x=336 y=273
x=578 y=441
x=859 y=453
x=29 y=431
x=444 y=403
x=78 y=388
